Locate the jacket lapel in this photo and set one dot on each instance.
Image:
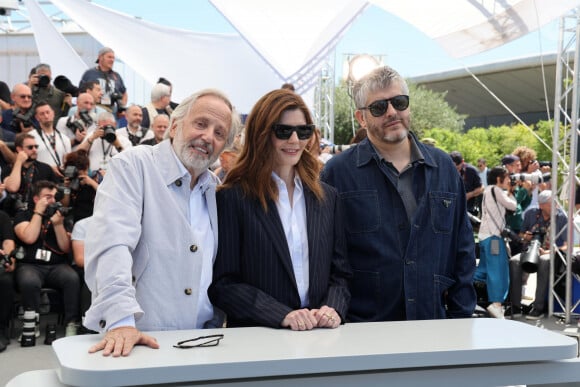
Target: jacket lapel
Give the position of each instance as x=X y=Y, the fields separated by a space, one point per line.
x=313 y=228
x=273 y=227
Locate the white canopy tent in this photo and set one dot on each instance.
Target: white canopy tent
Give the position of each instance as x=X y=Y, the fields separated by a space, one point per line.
x=278 y=41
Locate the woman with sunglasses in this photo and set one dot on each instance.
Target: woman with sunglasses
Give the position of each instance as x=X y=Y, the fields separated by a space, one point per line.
x=281 y=258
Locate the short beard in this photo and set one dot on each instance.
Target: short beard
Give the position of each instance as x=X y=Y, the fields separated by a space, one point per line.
x=194 y=163
x=396 y=138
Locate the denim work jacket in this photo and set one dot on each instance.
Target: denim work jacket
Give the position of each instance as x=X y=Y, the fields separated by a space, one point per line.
x=422 y=270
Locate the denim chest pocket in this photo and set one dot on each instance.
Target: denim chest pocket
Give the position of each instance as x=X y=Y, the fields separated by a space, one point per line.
x=361 y=210
x=442 y=211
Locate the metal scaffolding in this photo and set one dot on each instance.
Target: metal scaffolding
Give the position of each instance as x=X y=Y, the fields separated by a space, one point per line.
x=324 y=99
x=565 y=162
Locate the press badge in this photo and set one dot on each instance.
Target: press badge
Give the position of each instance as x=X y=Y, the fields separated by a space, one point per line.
x=43 y=255
x=103 y=165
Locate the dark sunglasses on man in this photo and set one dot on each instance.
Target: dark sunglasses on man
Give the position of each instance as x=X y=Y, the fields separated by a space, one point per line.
x=284 y=132
x=378 y=108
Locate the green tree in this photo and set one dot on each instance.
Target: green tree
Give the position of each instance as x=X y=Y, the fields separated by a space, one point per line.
x=430 y=110
x=495 y=142
x=343 y=110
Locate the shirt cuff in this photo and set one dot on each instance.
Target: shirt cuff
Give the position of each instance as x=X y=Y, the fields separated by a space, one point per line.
x=128 y=321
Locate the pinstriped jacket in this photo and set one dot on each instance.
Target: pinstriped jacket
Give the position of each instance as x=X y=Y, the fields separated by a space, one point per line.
x=254 y=282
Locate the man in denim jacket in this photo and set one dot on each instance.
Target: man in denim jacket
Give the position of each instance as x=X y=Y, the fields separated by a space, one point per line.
x=410 y=242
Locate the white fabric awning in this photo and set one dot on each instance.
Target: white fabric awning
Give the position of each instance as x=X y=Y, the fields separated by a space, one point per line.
x=191 y=61
x=468 y=27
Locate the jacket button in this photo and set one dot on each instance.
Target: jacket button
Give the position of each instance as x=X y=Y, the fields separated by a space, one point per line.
x=193 y=248
x=102 y=323
x=188 y=291
x=178 y=182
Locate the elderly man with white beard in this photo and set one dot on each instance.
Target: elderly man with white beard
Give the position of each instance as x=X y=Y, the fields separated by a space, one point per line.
x=154 y=231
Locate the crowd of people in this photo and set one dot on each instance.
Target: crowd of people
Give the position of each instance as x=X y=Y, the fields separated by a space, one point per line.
x=54 y=154
x=118 y=207
x=512 y=205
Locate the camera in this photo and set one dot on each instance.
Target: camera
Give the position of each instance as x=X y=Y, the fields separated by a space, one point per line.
x=109 y=135
x=534 y=178
x=20 y=204
x=54 y=207
x=43 y=81
x=510 y=235
x=17 y=253
x=5 y=259
x=24 y=118
x=530 y=258
x=75 y=125
x=86 y=117
x=72 y=173
x=116 y=99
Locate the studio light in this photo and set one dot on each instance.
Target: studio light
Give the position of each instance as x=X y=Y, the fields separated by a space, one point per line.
x=360 y=65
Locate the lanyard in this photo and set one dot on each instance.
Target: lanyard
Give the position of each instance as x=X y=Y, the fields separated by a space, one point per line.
x=52 y=140
x=27 y=176
x=108 y=150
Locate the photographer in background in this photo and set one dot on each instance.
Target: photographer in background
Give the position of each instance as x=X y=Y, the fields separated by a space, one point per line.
x=522 y=190
x=52 y=144
x=94 y=89
x=112 y=86
x=473 y=185
x=536 y=225
x=134 y=132
x=26 y=171
x=103 y=143
x=77 y=126
x=19 y=119
x=39 y=82
x=81 y=186
x=493 y=268
x=46 y=263
x=6 y=281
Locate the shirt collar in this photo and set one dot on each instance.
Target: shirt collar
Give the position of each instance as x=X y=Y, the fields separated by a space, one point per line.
x=280 y=183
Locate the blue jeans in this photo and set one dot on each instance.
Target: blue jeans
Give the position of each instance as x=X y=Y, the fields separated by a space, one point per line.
x=493 y=269
x=30 y=278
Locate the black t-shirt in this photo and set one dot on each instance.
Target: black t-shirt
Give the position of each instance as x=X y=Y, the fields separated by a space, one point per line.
x=82 y=202
x=37 y=171
x=6 y=229
x=46 y=241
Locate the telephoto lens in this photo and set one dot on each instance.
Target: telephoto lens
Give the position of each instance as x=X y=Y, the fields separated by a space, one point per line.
x=50 y=335
x=28 y=338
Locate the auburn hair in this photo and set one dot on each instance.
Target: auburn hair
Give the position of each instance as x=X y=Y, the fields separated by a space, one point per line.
x=253 y=169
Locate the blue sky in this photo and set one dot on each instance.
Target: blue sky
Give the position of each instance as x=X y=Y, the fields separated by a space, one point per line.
x=374 y=32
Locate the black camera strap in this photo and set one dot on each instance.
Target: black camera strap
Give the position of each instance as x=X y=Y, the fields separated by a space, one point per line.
x=497 y=205
x=107 y=151
x=52 y=141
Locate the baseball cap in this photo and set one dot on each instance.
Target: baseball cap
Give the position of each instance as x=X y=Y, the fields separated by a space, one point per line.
x=103 y=51
x=508 y=159
x=456 y=157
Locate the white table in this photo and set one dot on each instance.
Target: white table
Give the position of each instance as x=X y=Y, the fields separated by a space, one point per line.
x=474 y=352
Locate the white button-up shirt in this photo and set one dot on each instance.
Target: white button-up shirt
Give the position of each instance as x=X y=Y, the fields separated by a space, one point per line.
x=293 y=217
